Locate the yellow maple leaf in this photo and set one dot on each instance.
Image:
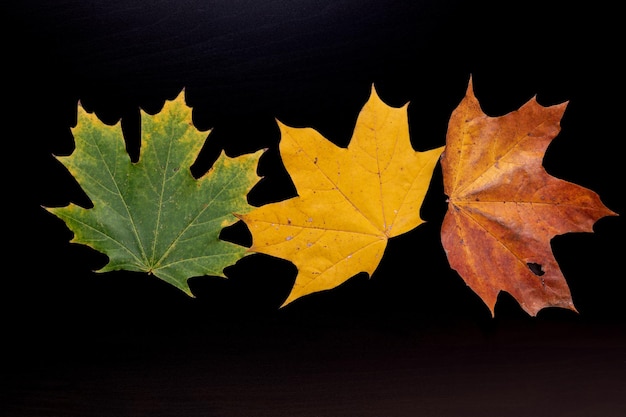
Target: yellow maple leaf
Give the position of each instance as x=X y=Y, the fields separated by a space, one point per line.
x=350 y=200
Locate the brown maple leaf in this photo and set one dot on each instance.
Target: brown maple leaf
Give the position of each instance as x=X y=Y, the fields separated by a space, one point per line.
x=504 y=208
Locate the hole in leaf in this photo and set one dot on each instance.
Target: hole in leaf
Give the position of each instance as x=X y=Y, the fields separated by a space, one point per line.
x=535 y=268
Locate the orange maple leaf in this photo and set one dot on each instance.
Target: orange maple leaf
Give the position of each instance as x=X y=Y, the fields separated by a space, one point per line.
x=504 y=208
x=350 y=200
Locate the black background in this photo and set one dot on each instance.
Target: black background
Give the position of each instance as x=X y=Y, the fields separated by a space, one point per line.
x=412 y=340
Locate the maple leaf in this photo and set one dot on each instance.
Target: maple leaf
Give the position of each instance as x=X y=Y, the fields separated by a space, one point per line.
x=153 y=216
x=350 y=200
x=504 y=208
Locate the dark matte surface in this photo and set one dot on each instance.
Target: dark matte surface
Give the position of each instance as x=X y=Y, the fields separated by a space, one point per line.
x=411 y=341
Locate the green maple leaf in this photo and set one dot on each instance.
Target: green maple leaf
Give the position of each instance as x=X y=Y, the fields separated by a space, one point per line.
x=153 y=216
